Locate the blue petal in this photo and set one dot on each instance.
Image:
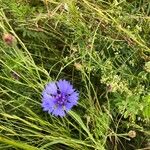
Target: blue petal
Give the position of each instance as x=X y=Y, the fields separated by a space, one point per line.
x=68 y=106
x=73 y=98
x=65 y=87
x=48 y=103
x=59 y=111
x=51 y=88
x=46 y=95
x=47 y=106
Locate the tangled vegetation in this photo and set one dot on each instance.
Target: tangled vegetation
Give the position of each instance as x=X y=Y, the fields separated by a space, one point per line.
x=102 y=47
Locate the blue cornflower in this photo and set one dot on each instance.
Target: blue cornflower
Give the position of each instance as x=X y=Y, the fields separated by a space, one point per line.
x=59 y=97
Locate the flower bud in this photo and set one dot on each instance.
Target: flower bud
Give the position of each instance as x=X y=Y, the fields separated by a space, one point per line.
x=9 y=39
x=78 y=66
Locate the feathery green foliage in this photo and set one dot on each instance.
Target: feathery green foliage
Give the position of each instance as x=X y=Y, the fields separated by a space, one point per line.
x=102 y=47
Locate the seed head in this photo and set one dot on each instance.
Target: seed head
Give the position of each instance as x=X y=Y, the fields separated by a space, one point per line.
x=132 y=134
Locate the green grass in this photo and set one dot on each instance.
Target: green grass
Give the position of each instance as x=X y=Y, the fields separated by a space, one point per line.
x=101 y=47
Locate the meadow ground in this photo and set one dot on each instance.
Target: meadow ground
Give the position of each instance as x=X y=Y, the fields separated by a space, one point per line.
x=102 y=47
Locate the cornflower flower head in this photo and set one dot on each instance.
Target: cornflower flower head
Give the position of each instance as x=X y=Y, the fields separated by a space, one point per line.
x=59 y=97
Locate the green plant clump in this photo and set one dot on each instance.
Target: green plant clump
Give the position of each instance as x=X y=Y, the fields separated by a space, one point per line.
x=102 y=47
